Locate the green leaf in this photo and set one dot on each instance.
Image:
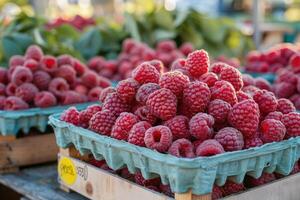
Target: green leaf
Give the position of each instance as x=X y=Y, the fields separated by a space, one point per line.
x=131 y=27
x=181 y=17
x=164 y=19
x=23 y=40
x=11 y=47
x=160 y=34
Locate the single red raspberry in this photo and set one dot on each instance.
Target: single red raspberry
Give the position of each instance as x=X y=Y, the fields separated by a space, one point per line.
x=145 y=73
x=274 y=115
x=105 y=92
x=58 y=86
x=26 y=91
x=230 y=138
x=72 y=97
x=262 y=84
x=166 y=189
x=64 y=60
x=3 y=75
x=186 y=48
x=174 y=81
x=15 y=103
x=284 y=90
x=292 y=124
x=115 y=105
x=285 y=75
x=96 y=63
x=21 y=75
x=166 y=45
x=94 y=94
x=285 y=106
x=266 y=101
x=158 y=138
x=216 y=193
x=126 y=89
x=144 y=114
x=103 y=82
x=102 y=122
x=295 y=61
x=49 y=63
x=182 y=148
x=34 y=52
x=2 y=102
x=233 y=76
x=90 y=79
x=250 y=90
x=272 y=130
x=144 y=91
x=244 y=116
x=159 y=66
x=231 y=188
x=217 y=67
x=197 y=63
x=123 y=125
x=201 y=126
x=41 y=80
x=44 y=99
x=139 y=179
x=252 y=142
x=16 y=60
x=81 y=89
x=241 y=96
x=224 y=90
x=219 y=109
x=66 y=72
x=209 y=148
x=125 y=173
x=128 y=45
x=178 y=64
x=86 y=115
x=31 y=64
x=162 y=103
x=137 y=133
x=71 y=115
x=248 y=80
x=296 y=100
x=79 y=67
x=179 y=126
x=10 y=89
x=263 y=179
x=209 y=78
x=2 y=89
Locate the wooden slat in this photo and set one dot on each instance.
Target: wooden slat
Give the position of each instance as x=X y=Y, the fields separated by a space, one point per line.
x=7 y=138
x=190 y=196
x=74 y=153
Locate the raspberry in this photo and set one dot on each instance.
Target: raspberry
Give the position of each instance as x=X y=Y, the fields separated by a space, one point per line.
x=103 y=82
x=128 y=44
x=66 y=72
x=102 y=122
x=105 y=92
x=266 y=101
x=209 y=148
x=162 y=103
x=158 y=138
x=81 y=89
x=71 y=115
x=196 y=96
x=274 y=115
x=179 y=64
x=287 y=76
x=16 y=60
x=224 y=90
x=144 y=91
x=292 y=124
x=137 y=133
x=58 y=86
x=244 y=116
x=253 y=142
x=217 y=67
x=284 y=90
x=179 y=126
x=94 y=94
x=248 y=80
x=72 y=97
x=125 y=173
x=34 y=52
x=263 y=179
x=159 y=66
x=166 y=45
x=197 y=63
x=262 y=84
x=295 y=61
x=272 y=130
x=201 y=126
x=250 y=90
x=165 y=189
x=26 y=91
x=219 y=109
x=2 y=101
x=41 y=80
x=182 y=148
x=96 y=63
x=44 y=99
x=2 y=89
x=174 y=81
x=3 y=75
x=209 y=78
x=15 y=103
x=115 y=105
x=186 y=48
x=139 y=179
x=216 y=193
x=65 y=60
x=10 y=89
x=31 y=64
x=21 y=75
x=87 y=114
x=123 y=125
x=79 y=67
x=145 y=73
x=230 y=138
x=49 y=63
x=231 y=188
x=296 y=100
x=241 y=96
x=144 y=114
x=90 y=79
x=233 y=76
x=285 y=106
x=126 y=89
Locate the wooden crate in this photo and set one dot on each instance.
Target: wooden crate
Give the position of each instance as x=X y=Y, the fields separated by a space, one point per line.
x=24 y=151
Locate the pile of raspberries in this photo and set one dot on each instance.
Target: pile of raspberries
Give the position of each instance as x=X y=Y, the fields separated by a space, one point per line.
x=38 y=80
x=134 y=53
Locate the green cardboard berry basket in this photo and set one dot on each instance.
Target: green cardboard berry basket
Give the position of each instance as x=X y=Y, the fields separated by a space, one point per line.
x=198 y=174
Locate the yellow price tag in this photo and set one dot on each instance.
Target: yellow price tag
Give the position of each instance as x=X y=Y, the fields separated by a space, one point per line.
x=67 y=171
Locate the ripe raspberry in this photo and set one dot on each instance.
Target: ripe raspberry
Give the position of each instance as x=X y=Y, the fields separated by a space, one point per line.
x=49 y=63
x=31 y=64
x=253 y=142
x=44 y=99
x=166 y=189
x=186 y=48
x=296 y=100
x=209 y=78
x=233 y=76
x=295 y=61
x=94 y=94
x=123 y=125
x=219 y=109
x=144 y=114
x=21 y=75
x=201 y=126
x=263 y=179
x=137 y=133
x=2 y=102
x=284 y=90
x=66 y=72
x=244 y=116
x=79 y=67
x=248 y=80
x=58 y=86
x=217 y=67
x=87 y=114
x=139 y=179
x=250 y=90
x=182 y=148
x=34 y=52
x=41 y=80
x=262 y=84
x=241 y=96
x=231 y=188
x=274 y=115
x=196 y=96
x=3 y=75
x=16 y=60
x=103 y=82
x=81 y=89
x=96 y=63
x=65 y=60
x=26 y=91
x=285 y=106
x=292 y=124
x=126 y=89
x=230 y=138
x=174 y=81
x=125 y=173
x=71 y=115
x=128 y=44
x=145 y=73
x=2 y=89
x=72 y=97
x=159 y=66
x=209 y=148
x=10 y=89
x=224 y=90
x=158 y=138
x=144 y=91
x=216 y=193
x=115 y=105
x=266 y=101
x=272 y=130
x=15 y=103
x=105 y=92
x=102 y=122
x=197 y=63
x=285 y=75
x=179 y=64
x=179 y=126
x=162 y=103
x=166 y=45
x=90 y=79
